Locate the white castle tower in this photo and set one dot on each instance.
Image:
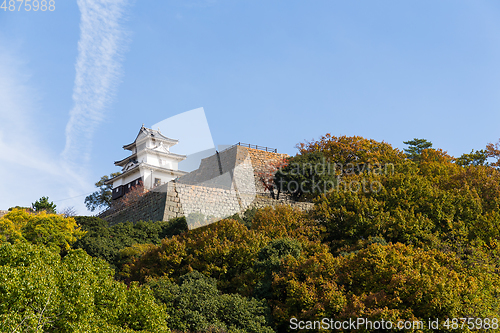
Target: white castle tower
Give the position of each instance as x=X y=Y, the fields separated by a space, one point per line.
x=150 y=164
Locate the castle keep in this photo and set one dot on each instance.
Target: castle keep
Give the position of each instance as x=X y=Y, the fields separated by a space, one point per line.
x=150 y=163
x=226 y=183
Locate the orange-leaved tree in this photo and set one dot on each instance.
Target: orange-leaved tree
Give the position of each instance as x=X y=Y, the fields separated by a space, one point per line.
x=266 y=174
x=493 y=150
x=353 y=149
x=131 y=197
x=224 y=250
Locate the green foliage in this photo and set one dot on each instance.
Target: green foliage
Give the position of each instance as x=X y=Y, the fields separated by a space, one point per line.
x=21 y=208
x=173 y=227
x=40 y=292
x=51 y=230
x=11 y=225
x=305 y=288
x=101 y=199
x=247 y=218
x=270 y=256
x=198 y=306
x=105 y=242
x=427 y=283
x=269 y=260
x=306 y=176
x=324 y=164
x=415 y=148
x=475 y=158
x=134 y=252
x=436 y=202
x=426 y=244
x=43 y=204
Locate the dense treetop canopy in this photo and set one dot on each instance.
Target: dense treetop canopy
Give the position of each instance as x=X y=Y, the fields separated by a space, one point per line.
x=423 y=244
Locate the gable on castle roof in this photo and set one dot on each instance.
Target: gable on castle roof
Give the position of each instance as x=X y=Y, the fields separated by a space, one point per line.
x=150 y=133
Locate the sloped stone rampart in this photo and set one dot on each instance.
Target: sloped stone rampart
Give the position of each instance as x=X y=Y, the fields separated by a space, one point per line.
x=150 y=207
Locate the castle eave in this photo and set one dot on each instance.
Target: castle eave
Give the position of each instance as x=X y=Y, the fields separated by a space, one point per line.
x=123 y=174
x=168 y=154
x=130 y=146
x=157 y=168
x=126 y=160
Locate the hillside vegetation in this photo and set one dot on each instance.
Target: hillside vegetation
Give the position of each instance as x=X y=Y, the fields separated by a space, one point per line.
x=397 y=236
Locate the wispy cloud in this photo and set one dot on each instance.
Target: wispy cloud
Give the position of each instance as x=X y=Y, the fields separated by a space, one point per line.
x=30 y=169
x=98 y=68
x=18 y=100
x=14 y=87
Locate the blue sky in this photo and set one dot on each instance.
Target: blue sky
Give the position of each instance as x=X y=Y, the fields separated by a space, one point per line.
x=272 y=73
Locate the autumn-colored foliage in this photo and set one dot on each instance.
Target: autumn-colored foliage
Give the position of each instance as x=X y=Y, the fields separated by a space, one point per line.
x=493 y=151
x=284 y=221
x=393 y=282
x=133 y=195
x=223 y=250
x=266 y=176
x=352 y=149
x=424 y=245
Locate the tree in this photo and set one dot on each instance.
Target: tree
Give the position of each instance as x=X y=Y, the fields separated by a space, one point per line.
x=43 y=204
x=266 y=176
x=305 y=177
x=351 y=152
x=103 y=196
x=224 y=250
x=475 y=158
x=103 y=241
x=39 y=228
x=480 y=157
x=415 y=148
x=329 y=162
x=269 y=261
x=29 y=209
x=391 y=282
x=69 y=211
x=201 y=307
x=283 y=221
x=42 y=292
x=131 y=197
x=493 y=150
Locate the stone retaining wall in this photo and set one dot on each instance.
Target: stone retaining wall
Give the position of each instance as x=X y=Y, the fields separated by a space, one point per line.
x=151 y=206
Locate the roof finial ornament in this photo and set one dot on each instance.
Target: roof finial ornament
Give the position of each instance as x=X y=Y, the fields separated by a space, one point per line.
x=142 y=125
x=159 y=130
